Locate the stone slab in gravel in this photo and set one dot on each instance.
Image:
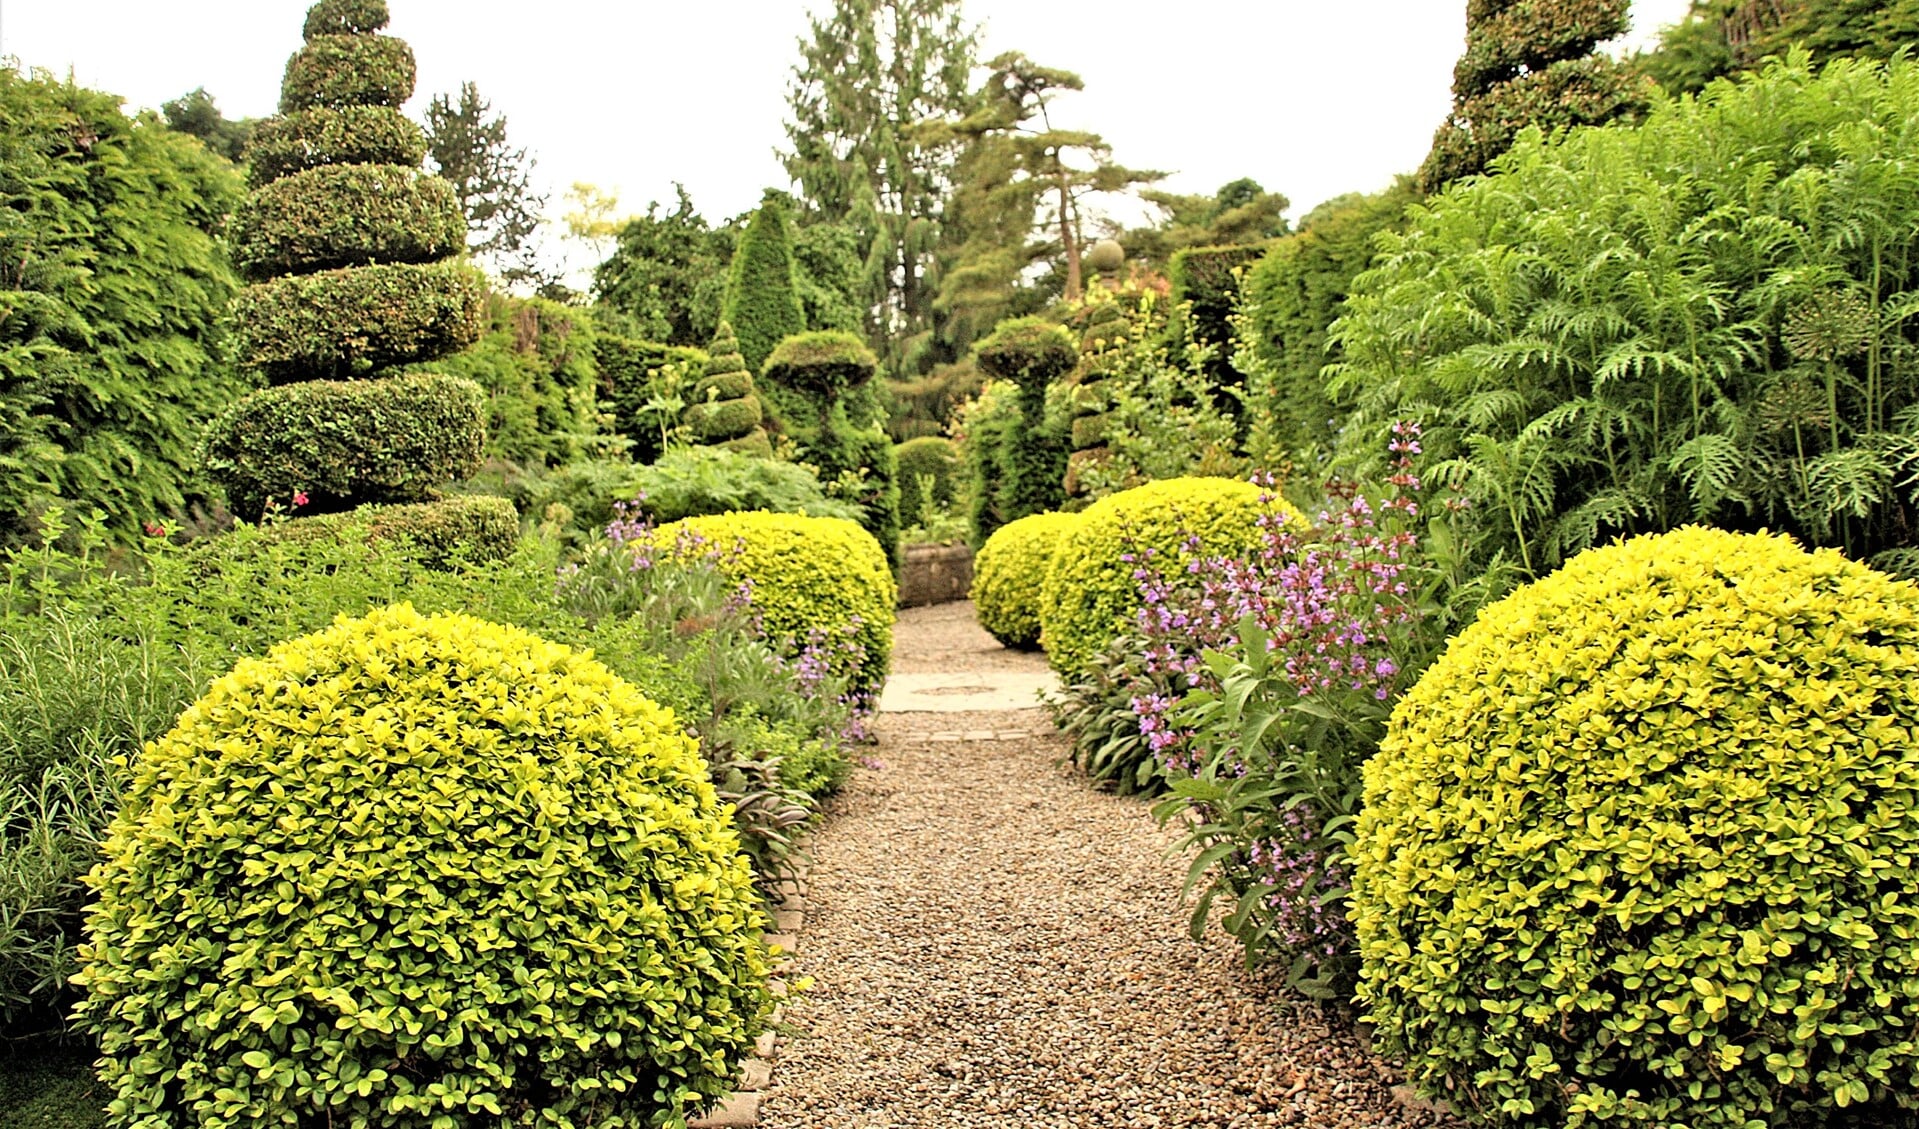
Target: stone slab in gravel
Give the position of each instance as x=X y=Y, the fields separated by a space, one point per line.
x=995 y=944
x=967 y=692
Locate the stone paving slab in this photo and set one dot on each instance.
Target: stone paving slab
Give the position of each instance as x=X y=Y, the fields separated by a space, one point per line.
x=967 y=692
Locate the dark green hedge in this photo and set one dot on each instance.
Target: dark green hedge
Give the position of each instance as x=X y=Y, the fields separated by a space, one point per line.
x=724 y=419
x=472 y=528
x=626 y=367
x=329 y=135
x=927 y=457
x=1208 y=279
x=348 y=70
x=344 y=17
x=824 y=364
x=342 y=324
x=345 y=443
x=1030 y=352
x=346 y=215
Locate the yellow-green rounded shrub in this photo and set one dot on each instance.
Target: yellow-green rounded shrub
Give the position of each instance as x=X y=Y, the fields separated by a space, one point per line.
x=1640 y=847
x=1090 y=595
x=410 y=872
x=807 y=574
x=1009 y=572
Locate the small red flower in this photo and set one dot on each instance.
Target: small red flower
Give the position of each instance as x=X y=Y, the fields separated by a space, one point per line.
x=154 y=529
x=299 y=498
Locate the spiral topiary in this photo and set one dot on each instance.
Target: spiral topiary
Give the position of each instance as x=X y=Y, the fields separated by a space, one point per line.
x=1009 y=573
x=351 y=250
x=1090 y=595
x=724 y=410
x=807 y=573
x=1639 y=847
x=415 y=871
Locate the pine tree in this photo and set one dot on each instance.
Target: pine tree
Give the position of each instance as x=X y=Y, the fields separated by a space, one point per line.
x=762 y=293
x=1530 y=63
x=466 y=144
x=352 y=251
x=870 y=73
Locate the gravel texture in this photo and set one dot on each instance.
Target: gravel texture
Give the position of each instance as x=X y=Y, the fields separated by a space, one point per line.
x=993 y=943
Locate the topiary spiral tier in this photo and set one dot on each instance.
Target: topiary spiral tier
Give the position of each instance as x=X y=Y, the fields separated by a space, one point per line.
x=726 y=411
x=352 y=250
x=1640 y=847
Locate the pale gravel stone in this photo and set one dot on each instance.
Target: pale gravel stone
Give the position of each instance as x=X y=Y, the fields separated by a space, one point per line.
x=995 y=944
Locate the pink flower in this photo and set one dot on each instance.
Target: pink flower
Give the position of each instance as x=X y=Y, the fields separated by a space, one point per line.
x=299 y=498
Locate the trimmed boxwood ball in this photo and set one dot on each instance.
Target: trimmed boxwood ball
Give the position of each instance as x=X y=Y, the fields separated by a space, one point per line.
x=348 y=323
x=929 y=456
x=347 y=135
x=348 y=70
x=346 y=443
x=1031 y=352
x=344 y=17
x=413 y=871
x=807 y=573
x=723 y=419
x=823 y=364
x=1009 y=572
x=1090 y=597
x=1639 y=848
x=346 y=215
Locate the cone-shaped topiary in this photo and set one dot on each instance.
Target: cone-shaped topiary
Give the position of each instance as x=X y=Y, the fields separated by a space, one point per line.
x=1090 y=595
x=415 y=871
x=1009 y=573
x=1639 y=848
x=1032 y=353
x=762 y=301
x=352 y=248
x=725 y=410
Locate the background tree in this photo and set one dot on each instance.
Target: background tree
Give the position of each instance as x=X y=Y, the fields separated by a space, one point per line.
x=666 y=274
x=110 y=338
x=1722 y=37
x=869 y=72
x=762 y=290
x=1241 y=212
x=196 y=113
x=466 y=144
x=1530 y=62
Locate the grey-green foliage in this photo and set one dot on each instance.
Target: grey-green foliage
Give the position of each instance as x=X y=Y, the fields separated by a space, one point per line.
x=1707 y=318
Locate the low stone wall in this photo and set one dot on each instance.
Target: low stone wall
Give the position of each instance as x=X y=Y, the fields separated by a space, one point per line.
x=935 y=574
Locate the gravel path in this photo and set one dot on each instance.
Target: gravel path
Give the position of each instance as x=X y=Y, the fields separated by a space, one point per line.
x=993 y=943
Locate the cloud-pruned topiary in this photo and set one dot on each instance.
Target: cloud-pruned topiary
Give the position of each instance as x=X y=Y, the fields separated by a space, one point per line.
x=1638 y=848
x=724 y=409
x=1033 y=354
x=1010 y=572
x=820 y=386
x=410 y=871
x=351 y=248
x=808 y=574
x=1090 y=595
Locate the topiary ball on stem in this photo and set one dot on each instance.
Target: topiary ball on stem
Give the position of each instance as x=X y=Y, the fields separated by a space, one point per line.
x=1639 y=848
x=414 y=871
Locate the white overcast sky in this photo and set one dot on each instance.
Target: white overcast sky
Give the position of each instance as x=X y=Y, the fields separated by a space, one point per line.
x=1311 y=98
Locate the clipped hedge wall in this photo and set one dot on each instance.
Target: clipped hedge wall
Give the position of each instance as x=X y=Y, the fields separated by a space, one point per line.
x=1090 y=597
x=346 y=323
x=348 y=70
x=626 y=367
x=410 y=870
x=1208 y=279
x=1009 y=574
x=929 y=456
x=346 y=215
x=325 y=135
x=808 y=573
x=345 y=443
x=1638 y=848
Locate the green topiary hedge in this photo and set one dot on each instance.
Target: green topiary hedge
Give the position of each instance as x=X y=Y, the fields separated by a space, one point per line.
x=762 y=302
x=928 y=457
x=1638 y=848
x=346 y=215
x=1010 y=572
x=348 y=70
x=344 y=17
x=1090 y=595
x=720 y=420
x=1031 y=456
x=345 y=443
x=326 y=135
x=808 y=573
x=1030 y=352
x=411 y=871
x=346 y=323
x=470 y=528
x=725 y=408
x=825 y=364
